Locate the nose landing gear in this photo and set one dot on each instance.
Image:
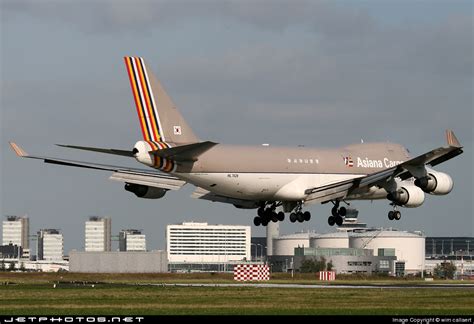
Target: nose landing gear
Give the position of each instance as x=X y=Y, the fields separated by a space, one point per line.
x=394 y=214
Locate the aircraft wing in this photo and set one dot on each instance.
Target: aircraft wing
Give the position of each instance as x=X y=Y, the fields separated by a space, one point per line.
x=405 y=170
x=124 y=174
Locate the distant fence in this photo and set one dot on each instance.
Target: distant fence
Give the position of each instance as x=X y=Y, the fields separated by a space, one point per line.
x=327 y=275
x=251 y=272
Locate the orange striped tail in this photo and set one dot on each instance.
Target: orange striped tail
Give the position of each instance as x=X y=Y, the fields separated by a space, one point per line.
x=144 y=99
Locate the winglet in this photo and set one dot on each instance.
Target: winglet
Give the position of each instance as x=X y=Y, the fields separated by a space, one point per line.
x=18 y=150
x=451 y=139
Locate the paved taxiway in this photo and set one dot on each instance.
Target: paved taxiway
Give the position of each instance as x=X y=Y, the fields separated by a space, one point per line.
x=322 y=286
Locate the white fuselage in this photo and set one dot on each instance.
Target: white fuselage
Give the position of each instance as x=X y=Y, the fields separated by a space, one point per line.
x=268 y=186
x=284 y=174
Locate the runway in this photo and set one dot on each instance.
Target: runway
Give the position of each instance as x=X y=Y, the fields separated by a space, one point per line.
x=321 y=286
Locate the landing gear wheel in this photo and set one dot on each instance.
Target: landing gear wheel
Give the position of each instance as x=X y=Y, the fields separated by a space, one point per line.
x=390 y=215
x=274 y=217
x=265 y=222
x=334 y=211
x=339 y=220
x=397 y=215
x=306 y=216
x=281 y=216
x=342 y=211
x=292 y=217
x=257 y=221
x=331 y=220
x=300 y=217
x=261 y=212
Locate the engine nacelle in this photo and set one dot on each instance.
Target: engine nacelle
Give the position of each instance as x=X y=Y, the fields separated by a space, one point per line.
x=407 y=196
x=147 y=192
x=435 y=183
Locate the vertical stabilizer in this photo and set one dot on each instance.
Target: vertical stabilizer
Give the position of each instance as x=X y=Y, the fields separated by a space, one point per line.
x=160 y=120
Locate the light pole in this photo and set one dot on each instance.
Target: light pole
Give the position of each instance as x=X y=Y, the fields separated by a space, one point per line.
x=261 y=252
x=256 y=252
x=422 y=269
x=292 y=267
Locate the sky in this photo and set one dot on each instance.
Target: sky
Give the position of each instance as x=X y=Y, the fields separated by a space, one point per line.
x=312 y=73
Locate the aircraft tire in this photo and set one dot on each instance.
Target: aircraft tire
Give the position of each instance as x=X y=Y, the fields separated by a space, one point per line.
x=281 y=216
x=334 y=212
x=307 y=216
x=342 y=211
x=391 y=215
x=397 y=215
x=339 y=220
x=261 y=212
x=274 y=217
x=300 y=217
x=331 y=220
x=257 y=221
x=292 y=217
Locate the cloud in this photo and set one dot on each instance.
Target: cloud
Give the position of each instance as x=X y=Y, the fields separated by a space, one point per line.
x=117 y=16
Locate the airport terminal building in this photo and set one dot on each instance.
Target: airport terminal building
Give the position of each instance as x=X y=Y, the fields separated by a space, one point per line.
x=203 y=247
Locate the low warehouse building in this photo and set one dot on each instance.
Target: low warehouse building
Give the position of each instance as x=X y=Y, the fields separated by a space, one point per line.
x=347 y=260
x=118 y=262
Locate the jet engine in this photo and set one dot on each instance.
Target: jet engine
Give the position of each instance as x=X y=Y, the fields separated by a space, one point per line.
x=147 y=192
x=407 y=196
x=435 y=183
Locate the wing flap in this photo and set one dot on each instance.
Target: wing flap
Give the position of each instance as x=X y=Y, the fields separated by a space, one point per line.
x=157 y=180
x=201 y=193
x=328 y=192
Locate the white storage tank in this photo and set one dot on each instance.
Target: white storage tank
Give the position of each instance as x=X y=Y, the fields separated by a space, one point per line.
x=331 y=240
x=409 y=246
x=286 y=244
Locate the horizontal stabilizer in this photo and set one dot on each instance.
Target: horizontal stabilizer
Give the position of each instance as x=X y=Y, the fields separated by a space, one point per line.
x=100 y=150
x=189 y=152
x=121 y=173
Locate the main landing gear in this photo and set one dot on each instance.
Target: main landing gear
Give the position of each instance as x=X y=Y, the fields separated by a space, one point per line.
x=394 y=214
x=266 y=213
x=337 y=214
x=300 y=216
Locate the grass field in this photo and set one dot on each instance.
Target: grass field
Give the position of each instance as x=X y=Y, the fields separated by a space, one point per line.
x=33 y=294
